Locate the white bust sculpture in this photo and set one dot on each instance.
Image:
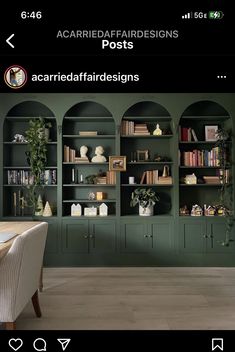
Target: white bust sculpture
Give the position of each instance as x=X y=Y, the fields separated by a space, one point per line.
x=83 y=151
x=99 y=158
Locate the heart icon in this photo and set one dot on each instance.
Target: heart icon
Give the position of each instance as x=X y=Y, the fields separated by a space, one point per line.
x=15 y=344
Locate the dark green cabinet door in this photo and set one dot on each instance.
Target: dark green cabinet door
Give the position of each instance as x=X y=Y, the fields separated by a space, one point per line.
x=193 y=235
x=160 y=236
x=75 y=237
x=134 y=237
x=102 y=236
x=52 y=238
x=216 y=231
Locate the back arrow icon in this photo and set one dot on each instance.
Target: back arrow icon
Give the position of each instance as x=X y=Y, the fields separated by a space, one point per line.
x=8 y=40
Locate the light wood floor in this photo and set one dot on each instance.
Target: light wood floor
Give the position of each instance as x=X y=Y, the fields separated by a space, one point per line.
x=135 y=298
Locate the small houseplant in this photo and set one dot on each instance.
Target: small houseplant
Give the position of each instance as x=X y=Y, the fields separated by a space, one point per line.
x=226 y=189
x=36 y=157
x=146 y=198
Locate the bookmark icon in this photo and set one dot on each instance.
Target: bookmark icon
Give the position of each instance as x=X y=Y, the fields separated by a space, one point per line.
x=64 y=343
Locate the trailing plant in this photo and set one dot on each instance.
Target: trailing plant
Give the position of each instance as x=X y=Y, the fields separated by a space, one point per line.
x=36 y=157
x=226 y=189
x=144 y=197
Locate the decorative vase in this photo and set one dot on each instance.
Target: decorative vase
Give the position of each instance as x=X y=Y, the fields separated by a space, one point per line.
x=148 y=211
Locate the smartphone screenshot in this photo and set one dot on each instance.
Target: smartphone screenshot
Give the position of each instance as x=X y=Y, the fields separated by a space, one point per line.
x=117 y=178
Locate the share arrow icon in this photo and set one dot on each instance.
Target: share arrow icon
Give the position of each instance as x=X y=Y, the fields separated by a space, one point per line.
x=64 y=343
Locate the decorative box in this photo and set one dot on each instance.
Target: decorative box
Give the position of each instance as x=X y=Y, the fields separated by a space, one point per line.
x=90 y=211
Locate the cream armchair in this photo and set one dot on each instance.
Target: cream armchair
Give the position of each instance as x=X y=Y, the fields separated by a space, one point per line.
x=19 y=274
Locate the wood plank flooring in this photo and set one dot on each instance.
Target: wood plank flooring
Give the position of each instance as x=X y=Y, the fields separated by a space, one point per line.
x=134 y=298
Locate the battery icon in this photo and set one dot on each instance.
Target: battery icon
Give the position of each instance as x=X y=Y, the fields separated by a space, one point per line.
x=215 y=15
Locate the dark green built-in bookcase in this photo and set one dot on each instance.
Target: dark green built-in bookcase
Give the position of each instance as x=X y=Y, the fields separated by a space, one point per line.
x=123 y=237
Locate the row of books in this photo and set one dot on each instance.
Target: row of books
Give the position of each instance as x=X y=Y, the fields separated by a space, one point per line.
x=135 y=129
x=200 y=157
x=187 y=134
x=70 y=156
x=152 y=177
x=24 y=177
x=109 y=179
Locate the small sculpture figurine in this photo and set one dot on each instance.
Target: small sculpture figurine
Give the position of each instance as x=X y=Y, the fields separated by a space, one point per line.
x=99 y=158
x=157 y=131
x=19 y=138
x=83 y=152
x=39 y=206
x=209 y=211
x=221 y=211
x=190 y=179
x=184 y=211
x=196 y=210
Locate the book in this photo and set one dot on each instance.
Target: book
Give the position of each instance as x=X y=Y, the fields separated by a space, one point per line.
x=143 y=177
x=194 y=135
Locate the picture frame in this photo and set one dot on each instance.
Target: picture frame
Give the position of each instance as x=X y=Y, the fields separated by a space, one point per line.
x=211 y=133
x=117 y=163
x=142 y=155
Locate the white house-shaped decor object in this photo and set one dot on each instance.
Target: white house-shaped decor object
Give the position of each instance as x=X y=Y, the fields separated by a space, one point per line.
x=103 y=209
x=76 y=210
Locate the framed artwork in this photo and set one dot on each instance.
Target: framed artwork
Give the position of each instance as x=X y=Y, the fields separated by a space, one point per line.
x=211 y=132
x=117 y=163
x=142 y=155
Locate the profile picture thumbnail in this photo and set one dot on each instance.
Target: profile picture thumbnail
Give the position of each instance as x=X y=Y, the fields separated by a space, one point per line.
x=15 y=77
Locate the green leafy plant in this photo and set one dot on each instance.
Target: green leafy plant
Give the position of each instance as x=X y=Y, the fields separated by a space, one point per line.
x=144 y=197
x=36 y=157
x=226 y=189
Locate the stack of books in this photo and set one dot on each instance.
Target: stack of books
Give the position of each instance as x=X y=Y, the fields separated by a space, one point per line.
x=81 y=160
x=187 y=134
x=101 y=180
x=212 y=180
x=141 y=129
x=151 y=177
x=88 y=133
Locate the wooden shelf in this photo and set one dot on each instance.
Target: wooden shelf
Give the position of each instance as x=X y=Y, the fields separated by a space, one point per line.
x=27 y=167
x=166 y=136
x=86 y=163
x=202 y=185
x=25 y=143
x=89 y=118
x=99 y=136
x=153 y=119
x=150 y=163
x=28 y=185
x=145 y=185
x=69 y=217
x=200 y=167
x=86 y=185
x=27 y=118
x=206 y=117
x=89 y=201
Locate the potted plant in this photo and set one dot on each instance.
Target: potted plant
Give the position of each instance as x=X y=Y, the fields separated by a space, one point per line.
x=226 y=190
x=146 y=198
x=36 y=158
